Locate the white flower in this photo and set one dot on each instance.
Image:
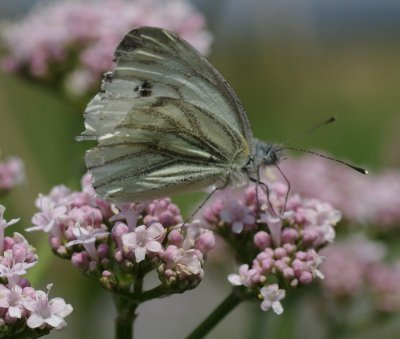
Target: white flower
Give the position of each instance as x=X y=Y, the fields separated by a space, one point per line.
x=188 y=263
x=272 y=296
x=192 y=232
x=144 y=239
x=245 y=276
x=44 y=311
x=315 y=264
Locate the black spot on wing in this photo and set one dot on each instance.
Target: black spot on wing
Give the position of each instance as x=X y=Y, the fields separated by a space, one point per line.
x=144 y=89
x=108 y=77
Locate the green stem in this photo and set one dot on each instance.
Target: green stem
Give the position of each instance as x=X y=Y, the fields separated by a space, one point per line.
x=155 y=293
x=126 y=315
x=230 y=302
x=126 y=308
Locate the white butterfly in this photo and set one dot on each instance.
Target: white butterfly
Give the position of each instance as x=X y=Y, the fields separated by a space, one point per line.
x=167 y=122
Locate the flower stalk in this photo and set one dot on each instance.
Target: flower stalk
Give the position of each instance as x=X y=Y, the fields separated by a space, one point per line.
x=222 y=310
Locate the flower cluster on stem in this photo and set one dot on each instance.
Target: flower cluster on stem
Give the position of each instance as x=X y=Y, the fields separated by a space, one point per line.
x=278 y=245
x=24 y=311
x=120 y=244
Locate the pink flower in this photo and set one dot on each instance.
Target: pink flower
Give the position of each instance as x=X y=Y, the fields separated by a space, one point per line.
x=47 y=312
x=87 y=237
x=144 y=240
x=12 y=300
x=238 y=215
x=48 y=218
x=130 y=213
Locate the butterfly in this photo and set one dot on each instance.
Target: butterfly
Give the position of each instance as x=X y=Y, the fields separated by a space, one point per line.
x=167 y=122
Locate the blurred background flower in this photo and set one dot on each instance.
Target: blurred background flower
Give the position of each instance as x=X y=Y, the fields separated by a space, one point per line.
x=293 y=64
x=12 y=173
x=71 y=43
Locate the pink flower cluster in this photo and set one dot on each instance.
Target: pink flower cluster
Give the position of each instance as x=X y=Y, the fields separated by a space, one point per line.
x=273 y=242
x=22 y=308
x=356 y=265
x=103 y=239
x=372 y=199
x=75 y=40
x=11 y=173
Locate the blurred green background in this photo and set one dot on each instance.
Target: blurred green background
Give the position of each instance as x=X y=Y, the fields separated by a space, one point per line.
x=293 y=64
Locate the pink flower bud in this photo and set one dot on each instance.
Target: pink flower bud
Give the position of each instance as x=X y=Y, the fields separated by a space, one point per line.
x=205 y=242
x=166 y=218
x=262 y=240
x=102 y=250
x=280 y=252
x=54 y=243
x=24 y=282
x=305 y=278
x=8 y=243
x=118 y=231
x=175 y=237
x=288 y=273
x=119 y=256
x=80 y=260
x=289 y=235
x=106 y=274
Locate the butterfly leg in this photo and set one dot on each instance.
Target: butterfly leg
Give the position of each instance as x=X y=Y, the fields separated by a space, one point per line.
x=283 y=208
x=267 y=192
x=203 y=203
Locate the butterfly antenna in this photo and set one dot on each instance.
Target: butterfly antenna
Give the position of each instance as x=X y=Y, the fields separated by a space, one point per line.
x=356 y=168
x=326 y=122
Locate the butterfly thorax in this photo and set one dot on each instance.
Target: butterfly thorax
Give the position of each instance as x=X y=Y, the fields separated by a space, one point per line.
x=265 y=154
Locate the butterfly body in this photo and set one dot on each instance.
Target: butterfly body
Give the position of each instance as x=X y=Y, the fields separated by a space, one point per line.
x=167 y=122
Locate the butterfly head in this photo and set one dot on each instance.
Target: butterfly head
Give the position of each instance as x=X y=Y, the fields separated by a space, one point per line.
x=266 y=153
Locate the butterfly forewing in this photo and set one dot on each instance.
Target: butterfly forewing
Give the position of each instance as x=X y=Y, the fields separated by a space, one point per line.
x=165 y=121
